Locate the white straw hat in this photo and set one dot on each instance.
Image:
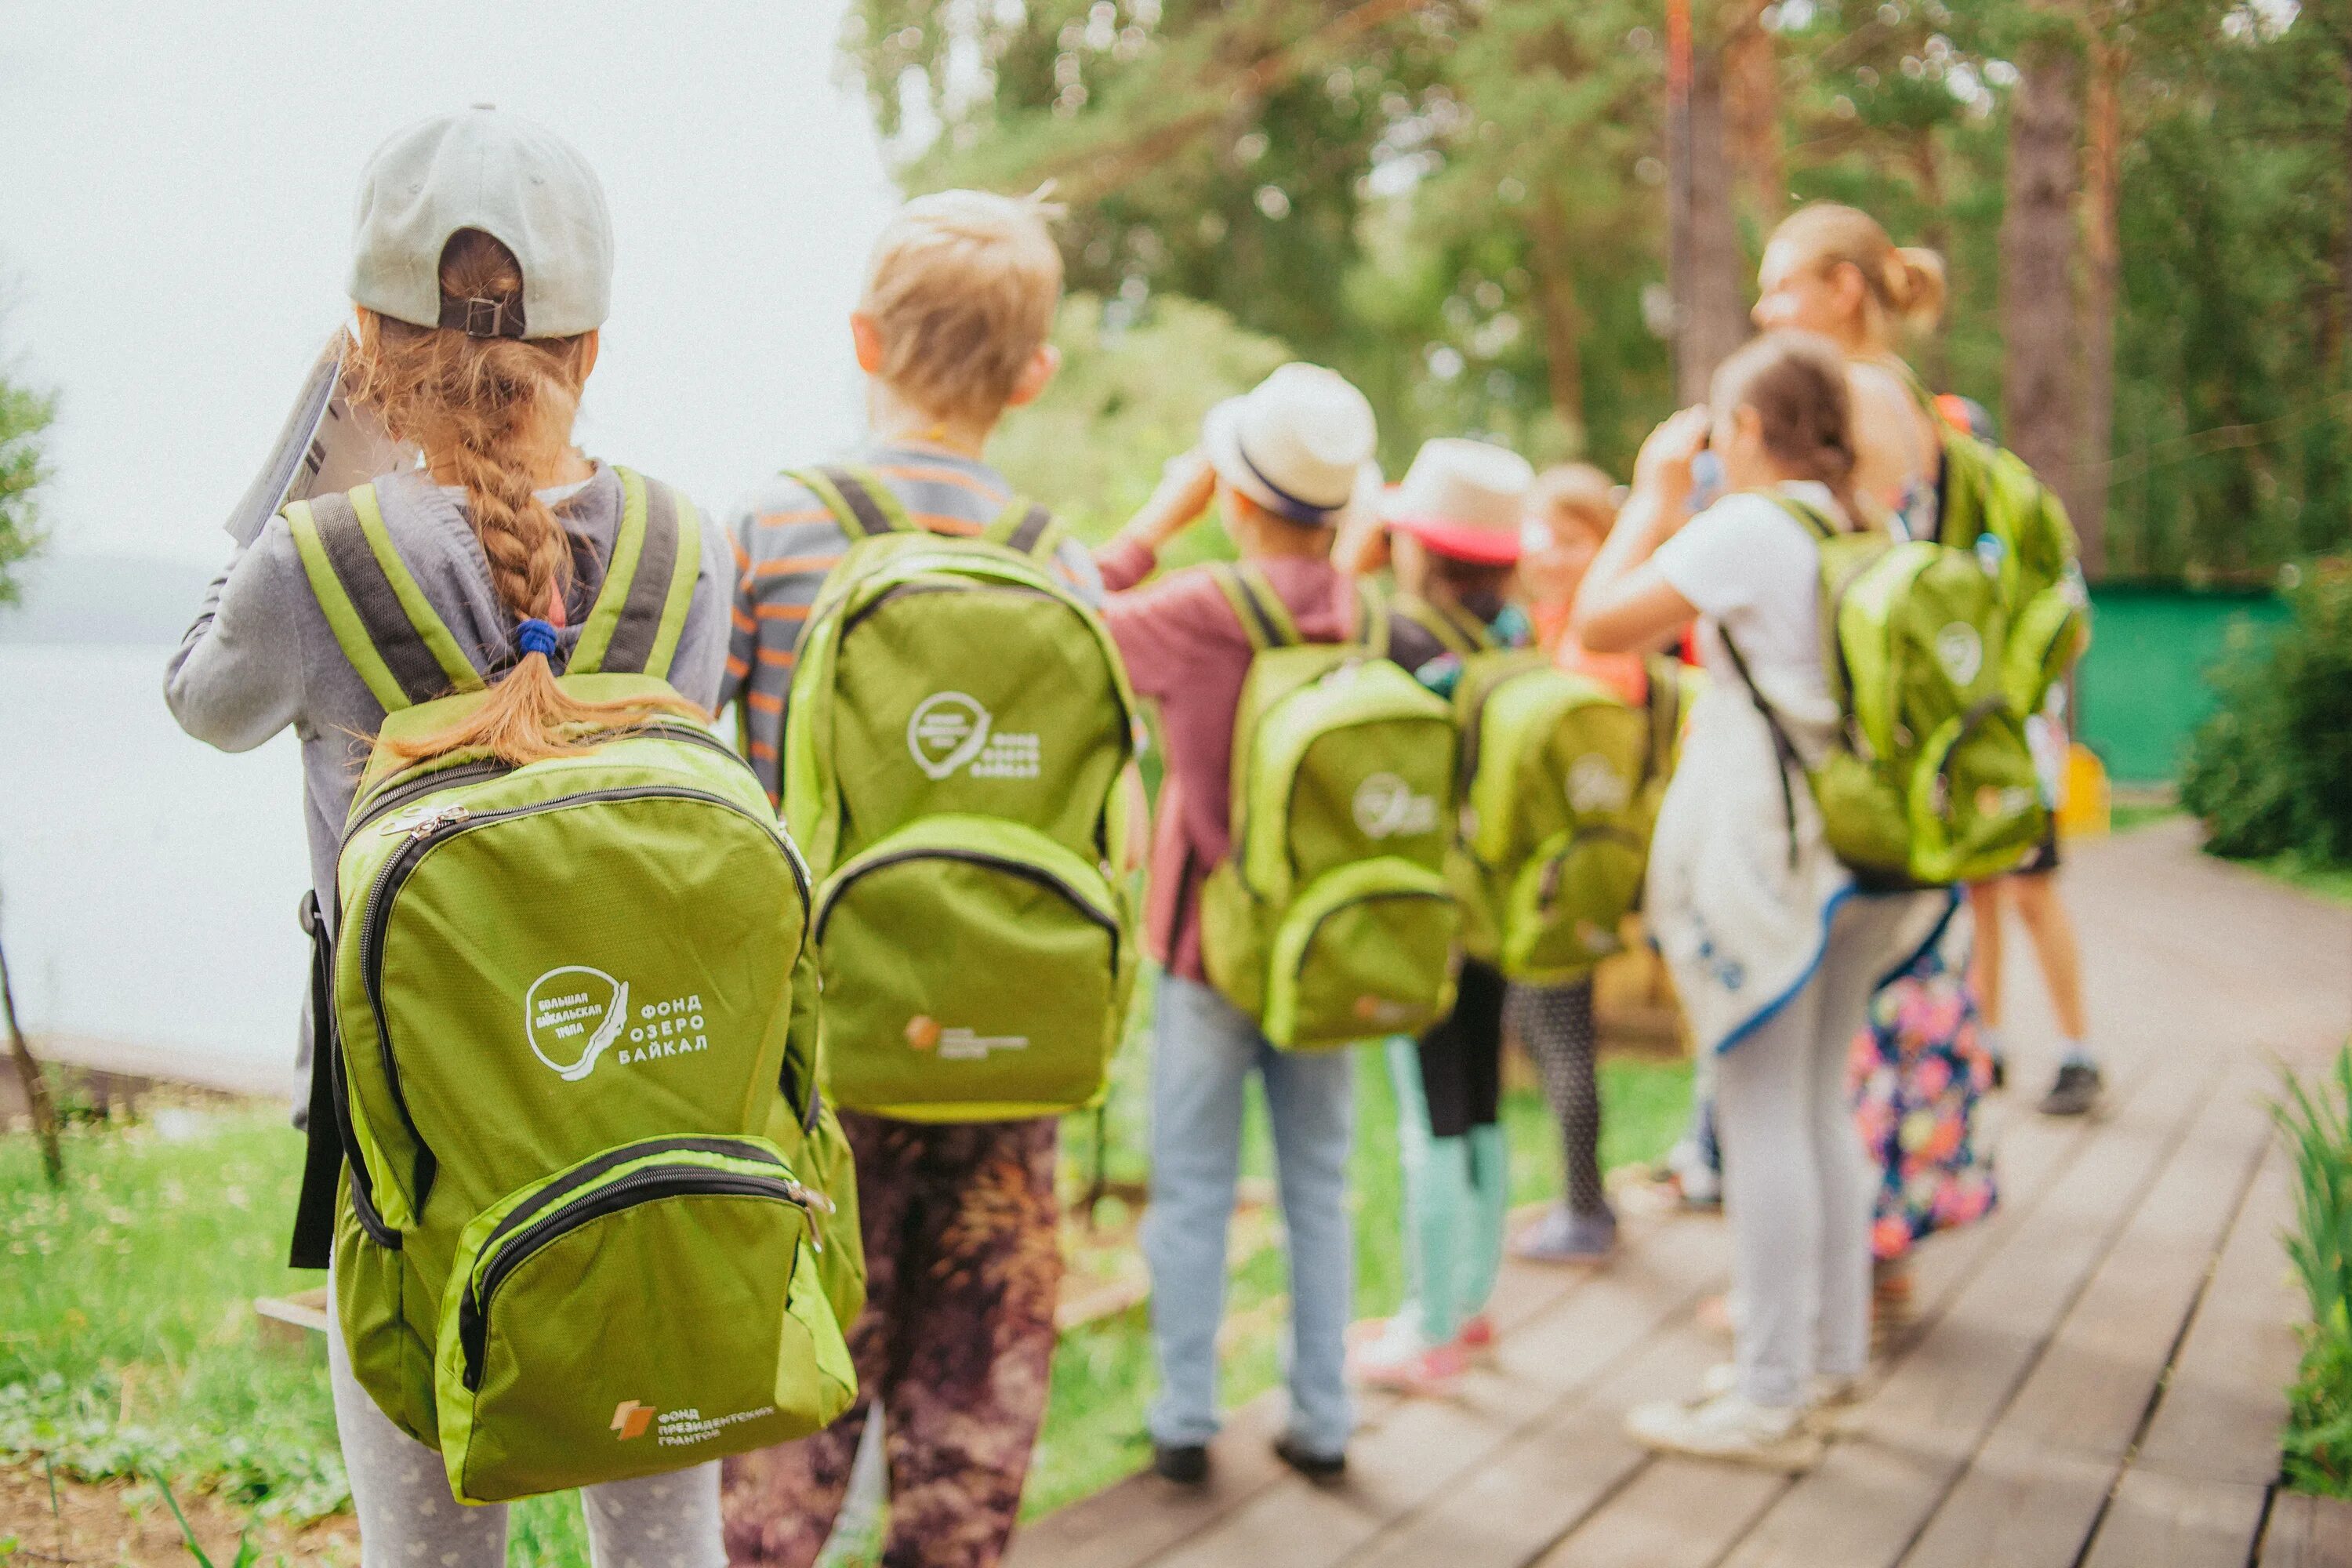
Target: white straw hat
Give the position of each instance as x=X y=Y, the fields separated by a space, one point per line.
x=1297 y=443
x=1463 y=498
x=521 y=185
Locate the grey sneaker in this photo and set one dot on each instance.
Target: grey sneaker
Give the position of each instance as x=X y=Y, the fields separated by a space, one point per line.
x=1564 y=1236
x=2075 y=1091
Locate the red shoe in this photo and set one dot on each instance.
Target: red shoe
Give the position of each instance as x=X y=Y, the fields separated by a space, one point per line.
x=1477 y=1332
x=1395 y=1359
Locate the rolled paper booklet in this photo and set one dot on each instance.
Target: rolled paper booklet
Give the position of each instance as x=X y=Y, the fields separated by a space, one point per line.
x=326 y=444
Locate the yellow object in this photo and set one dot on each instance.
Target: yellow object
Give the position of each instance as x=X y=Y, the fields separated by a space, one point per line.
x=2083 y=807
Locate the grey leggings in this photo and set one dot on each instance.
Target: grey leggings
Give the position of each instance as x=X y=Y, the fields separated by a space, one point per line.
x=1555 y=1023
x=407 y=1517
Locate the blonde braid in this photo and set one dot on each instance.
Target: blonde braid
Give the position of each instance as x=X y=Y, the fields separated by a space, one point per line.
x=489 y=411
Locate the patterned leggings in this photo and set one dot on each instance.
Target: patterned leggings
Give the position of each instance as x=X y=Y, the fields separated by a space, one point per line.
x=1555 y=1023
x=963 y=1263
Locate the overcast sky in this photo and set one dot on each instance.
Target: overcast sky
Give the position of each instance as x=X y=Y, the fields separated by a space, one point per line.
x=175 y=227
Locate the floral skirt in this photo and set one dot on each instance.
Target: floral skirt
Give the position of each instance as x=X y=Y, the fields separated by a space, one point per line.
x=1917 y=1072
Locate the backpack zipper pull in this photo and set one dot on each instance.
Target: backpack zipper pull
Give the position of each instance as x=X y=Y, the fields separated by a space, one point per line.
x=427 y=824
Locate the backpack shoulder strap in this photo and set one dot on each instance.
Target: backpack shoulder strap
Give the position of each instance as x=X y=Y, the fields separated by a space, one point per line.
x=1784 y=748
x=1817 y=521
x=864 y=506
x=1455 y=632
x=634 y=626
x=1372 y=612
x=380 y=618
x=1662 y=673
x=1025 y=528
x=1265 y=619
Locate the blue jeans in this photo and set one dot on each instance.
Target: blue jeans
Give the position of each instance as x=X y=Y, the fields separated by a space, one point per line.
x=1204 y=1052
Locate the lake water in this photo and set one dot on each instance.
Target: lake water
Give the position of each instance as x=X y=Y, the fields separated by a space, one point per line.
x=148 y=883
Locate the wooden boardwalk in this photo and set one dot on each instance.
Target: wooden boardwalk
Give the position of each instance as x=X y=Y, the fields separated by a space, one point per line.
x=2096 y=1377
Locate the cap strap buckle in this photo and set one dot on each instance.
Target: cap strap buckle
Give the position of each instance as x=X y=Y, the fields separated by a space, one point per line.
x=479 y=317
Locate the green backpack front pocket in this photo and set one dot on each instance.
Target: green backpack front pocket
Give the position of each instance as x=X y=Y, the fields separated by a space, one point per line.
x=692 y=1243
x=973 y=972
x=1366 y=950
x=1566 y=901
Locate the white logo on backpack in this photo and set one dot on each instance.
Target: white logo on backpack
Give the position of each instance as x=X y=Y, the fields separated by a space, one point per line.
x=1960 y=651
x=950 y=729
x=1385 y=806
x=565 y=1004
x=1595 y=784
x=575 y=1003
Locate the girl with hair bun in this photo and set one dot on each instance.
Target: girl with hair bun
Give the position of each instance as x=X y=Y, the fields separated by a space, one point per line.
x=1832 y=271
x=1773 y=948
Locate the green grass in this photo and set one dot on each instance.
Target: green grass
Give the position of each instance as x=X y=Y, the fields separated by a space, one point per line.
x=2318 y=1120
x=2331 y=882
x=2124 y=816
x=129 y=1342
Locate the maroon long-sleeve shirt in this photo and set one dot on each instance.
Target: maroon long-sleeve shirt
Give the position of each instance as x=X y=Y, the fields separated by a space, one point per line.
x=1186 y=649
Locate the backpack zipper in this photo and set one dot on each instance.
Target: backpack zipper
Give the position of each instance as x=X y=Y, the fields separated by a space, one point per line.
x=639 y=1187
x=1021 y=868
x=1548 y=890
x=1320 y=921
x=490 y=768
x=903 y=590
x=438 y=829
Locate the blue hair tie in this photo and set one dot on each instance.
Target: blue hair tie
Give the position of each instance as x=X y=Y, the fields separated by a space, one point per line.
x=536 y=636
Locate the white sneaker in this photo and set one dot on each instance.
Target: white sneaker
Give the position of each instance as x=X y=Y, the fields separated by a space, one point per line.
x=1728 y=1426
x=1829 y=1396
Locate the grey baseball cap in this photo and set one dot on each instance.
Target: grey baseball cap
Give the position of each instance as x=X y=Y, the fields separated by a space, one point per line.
x=518 y=182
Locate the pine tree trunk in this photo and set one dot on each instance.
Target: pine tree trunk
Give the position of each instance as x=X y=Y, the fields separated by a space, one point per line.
x=2039 y=387
x=1751 y=111
x=1710 y=309
x=2101 y=176
x=1551 y=244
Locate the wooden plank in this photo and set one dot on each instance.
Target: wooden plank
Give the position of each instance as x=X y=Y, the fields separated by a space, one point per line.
x=1866 y=1502
x=1674 y=1510
x=2308 y=1533
x=2033 y=1492
x=2180 y=1523
x=2225 y=1403
x=1431 y=1446
x=1528 y=1493
x=1675 y=1513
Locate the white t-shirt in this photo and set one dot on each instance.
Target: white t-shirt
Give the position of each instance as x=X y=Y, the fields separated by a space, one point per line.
x=1753 y=570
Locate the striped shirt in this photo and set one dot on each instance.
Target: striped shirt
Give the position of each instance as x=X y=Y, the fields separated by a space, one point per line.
x=786 y=542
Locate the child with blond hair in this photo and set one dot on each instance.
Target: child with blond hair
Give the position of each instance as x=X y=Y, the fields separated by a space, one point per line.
x=959 y=1217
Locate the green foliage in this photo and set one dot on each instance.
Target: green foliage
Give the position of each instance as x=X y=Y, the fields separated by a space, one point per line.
x=1461 y=205
x=1131 y=394
x=2318 y=1125
x=24 y=415
x=2271 y=771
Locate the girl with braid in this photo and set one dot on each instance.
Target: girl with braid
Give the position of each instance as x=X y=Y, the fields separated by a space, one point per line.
x=482 y=272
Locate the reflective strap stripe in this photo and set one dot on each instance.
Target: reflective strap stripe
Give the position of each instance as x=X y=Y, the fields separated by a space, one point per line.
x=641 y=608
x=686 y=571
x=342 y=616
x=1023 y=526
x=597 y=633
x=864 y=506
x=1452 y=635
x=457 y=671
x=1265 y=628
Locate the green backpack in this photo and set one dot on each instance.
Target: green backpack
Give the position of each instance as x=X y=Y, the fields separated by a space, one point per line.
x=1988 y=500
x=1928 y=780
x=575 y=1224
x=1331 y=920
x=1562 y=779
x=959 y=727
